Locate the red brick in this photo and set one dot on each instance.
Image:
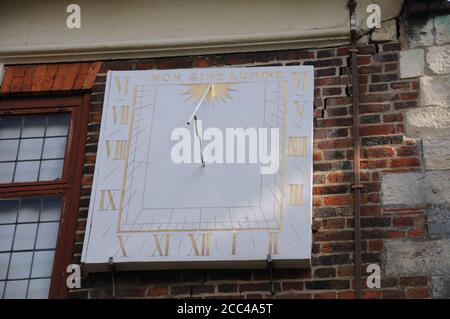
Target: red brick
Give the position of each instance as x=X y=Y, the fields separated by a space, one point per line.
x=292 y=285
x=374 y=130
x=416 y=233
x=407 y=151
x=338 y=200
x=417 y=293
x=335 y=122
x=364 y=59
x=337 y=143
x=372 y=294
x=405 y=162
x=390 y=67
x=158 y=291
x=331 y=91
x=373 y=108
x=403 y=221
x=398 y=117
x=342 y=235
x=338 y=111
x=409 y=96
x=337 y=101
x=346 y=295
x=339 y=177
x=325 y=295
x=379 y=152
x=375 y=245
x=334 y=223
x=370 y=164
x=346 y=271
x=400 y=86
x=395 y=234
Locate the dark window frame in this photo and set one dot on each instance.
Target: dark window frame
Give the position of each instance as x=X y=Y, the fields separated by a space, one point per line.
x=69 y=187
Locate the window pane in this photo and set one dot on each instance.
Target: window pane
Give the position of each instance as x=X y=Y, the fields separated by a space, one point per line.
x=54 y=147
x=47 y=235
x=31 y=234
x=10 y=127
x=20 y=265
x=30 y=149
x=4 y=262
x=2 y=287
x=6 y=237
x=39 y=288
x=25 y=236
x=6 y=172
x=42 y=264
x=26 y=171
x=8 y=150
x=51 y=170
x=29 y=210
x=8 y=211
x=57 y=124
x=51 y=209
x=16 y=289
x=34 y=126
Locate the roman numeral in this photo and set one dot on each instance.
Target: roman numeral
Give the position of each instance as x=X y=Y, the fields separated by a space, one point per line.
x=300 y=80
x=107 y=200
x=296 y=194
x=297 y=145
x=205 y=244
x=123 y=116
x=299 y=107
x=159 y=246
x=273 y=243
x=122 y=85
x=119 y=147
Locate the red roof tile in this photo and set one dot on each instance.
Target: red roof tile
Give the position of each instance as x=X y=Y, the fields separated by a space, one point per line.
x=49 y=77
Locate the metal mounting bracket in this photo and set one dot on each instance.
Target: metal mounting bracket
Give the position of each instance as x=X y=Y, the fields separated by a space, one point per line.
x=270 y=271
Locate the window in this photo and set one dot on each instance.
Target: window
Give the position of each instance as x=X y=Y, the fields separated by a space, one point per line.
x=41 y=149
x=32 y=147
x=28 y=233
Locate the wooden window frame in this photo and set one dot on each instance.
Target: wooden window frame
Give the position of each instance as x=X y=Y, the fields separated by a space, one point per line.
x=69 y=187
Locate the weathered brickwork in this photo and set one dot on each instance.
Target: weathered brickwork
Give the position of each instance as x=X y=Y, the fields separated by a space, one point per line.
x=384 y=100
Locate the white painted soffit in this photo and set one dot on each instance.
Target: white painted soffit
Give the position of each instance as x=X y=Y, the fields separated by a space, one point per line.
x=35 y=31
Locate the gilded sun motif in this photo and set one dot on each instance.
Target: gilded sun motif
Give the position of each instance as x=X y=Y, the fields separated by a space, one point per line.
x=219 y=92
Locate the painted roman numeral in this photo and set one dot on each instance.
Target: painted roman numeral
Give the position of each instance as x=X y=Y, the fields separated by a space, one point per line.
x=300 y=80
x=107 y=200
x=119 y=147
x=296 y=194
x=297 y=145
x=121 y=85
x=273 y=243
x=159 y=244
x=299 y=107
x=205 y=244
x=121 y=114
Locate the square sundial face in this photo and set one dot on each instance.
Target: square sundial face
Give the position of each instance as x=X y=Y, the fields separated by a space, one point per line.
x=225 y=190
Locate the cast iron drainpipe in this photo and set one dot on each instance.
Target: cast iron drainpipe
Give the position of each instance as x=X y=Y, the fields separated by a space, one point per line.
x=356 y=146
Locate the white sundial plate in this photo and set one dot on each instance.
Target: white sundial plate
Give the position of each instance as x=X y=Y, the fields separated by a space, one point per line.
x=147 y=211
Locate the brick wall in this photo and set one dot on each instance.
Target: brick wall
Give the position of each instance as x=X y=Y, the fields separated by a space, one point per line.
x=384 y=99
